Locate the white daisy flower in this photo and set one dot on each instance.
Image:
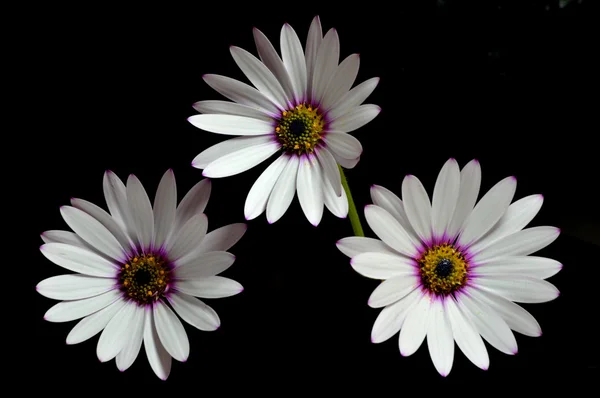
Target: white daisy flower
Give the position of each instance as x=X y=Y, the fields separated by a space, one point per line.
x=130 y=263
x=451 y=269
x=302 y=107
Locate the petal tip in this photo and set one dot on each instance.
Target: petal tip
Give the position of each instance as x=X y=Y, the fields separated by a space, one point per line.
x=476 y=161
x=515 y=352
x=513 y=178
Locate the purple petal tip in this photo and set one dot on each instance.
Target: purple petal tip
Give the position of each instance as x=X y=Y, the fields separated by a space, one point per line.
x=515 y=352
x=42 y=247
x=475 y=161
x=204 y=174
x=453 y=159
x=443 y=374
x=513 y=178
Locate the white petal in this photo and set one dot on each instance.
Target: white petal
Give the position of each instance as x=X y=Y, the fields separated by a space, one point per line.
x=519 y=288
x=241 y=93
x=440 y=340
x=414 y=328
x=202 y=265
x=445 y=196
x=194 y=202
x=330 y=169
x=141 y=211
x=382 y=265
x=313 y=42
x=470 y=181
x=66 y=311
x=516 y=217
x=74 y=286
x=516 y=317
x=488 y=211
x=283 y=191
x=337 y=205
x=387 y=200
x=165 y=206
x=256 y=201
x=342 y=144
x=390 y=231
x=326 y=63
x=93 y=232
x=260 y=76
x=294 y=61
x=209 y=287
x=91 y=325
x=356 y=119
x=271 y=59
x=393 y=289
x=195 y=312
x=126 y=357
x=158 y=357
x=353 y=98
x=345 y=163
x=231 y=124
x=466 y=336
x=222 y=239
x=521 y=243
x=226 y=147
x=535 y=267
x=490 y=325
x=69 y=238
x=188 y=238
x=115 y=194
x=391 y=318
x=171 y=332
x=230 y=108
x=79 y=260
x=242 y=159
x=355 y=245
x=310 y=190
x=342 y=81
x=114 y=336
x=417 y=206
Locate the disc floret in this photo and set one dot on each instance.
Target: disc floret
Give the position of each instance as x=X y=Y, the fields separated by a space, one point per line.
x=145 y=278
x=443 y=269
x=299 y=129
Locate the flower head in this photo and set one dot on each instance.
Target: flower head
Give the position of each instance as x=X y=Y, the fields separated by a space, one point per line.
x=452 y=269
x=131 y=263
x=303 y=108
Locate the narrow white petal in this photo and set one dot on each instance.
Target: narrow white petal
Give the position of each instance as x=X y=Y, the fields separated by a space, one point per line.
x=188 y=238
x=313 y=42
x=195 y=312
x=256 y=201
x=283 y=192
x=141 y=211
x=352 y=99
x=158 y=357
x=209 y=287
x=387 y=200
x=66 y=311
x=393 y=289
x=203 y=265
x=69 y=238
x=326 y=63
x=382 y=265
x=114 y=336
x=171 y=332
x=222 y=239
x=342 y=81
x=165 y=207
x=242 y=159
x=226 y=147
x=330 y=169
x=343 y=145
x=74 y=286
x=519 y=288
x=77 y=259
x=445 y=197
x=440 y=340
x=414 y=328
x=232 y=124
x=294 y=61
x=391 y=318
x=337 y=205
x=230 y=108
x=355 y=245
x=115 y=194
x=126 y=357
x=470 y=181
x=516 y=217
x=535 y=267
x=310 y=189
x=241 y=93
x=390 y=231
x=268 y=55
x=521 y=243
x=516 y=317
x=417 y=206
x=91 y=325
x=356 y=119
x=194 y=202
x=466 y=336
x=93 y=232
x=260 y=76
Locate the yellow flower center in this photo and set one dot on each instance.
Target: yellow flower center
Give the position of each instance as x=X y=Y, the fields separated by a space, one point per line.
x=144 y=278
x=443 y=269
x=299 y=129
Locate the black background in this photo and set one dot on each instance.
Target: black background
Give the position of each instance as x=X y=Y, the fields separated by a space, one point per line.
x=508 y=83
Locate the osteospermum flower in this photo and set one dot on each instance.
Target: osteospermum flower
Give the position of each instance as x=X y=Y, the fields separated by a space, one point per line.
x=130 y=263
x=303 y=108
x=451 y=269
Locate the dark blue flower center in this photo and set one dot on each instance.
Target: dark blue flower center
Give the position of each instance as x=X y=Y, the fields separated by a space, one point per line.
x=443 y=268
x=297 y=127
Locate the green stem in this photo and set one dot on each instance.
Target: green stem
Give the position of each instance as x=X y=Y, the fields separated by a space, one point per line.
x=352 y=213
